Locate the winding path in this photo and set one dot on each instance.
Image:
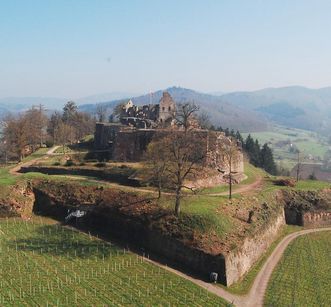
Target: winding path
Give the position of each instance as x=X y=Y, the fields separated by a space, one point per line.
x=15 y=170
x=255 y=296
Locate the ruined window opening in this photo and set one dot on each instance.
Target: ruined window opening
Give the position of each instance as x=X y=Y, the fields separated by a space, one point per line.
x=169 y=109
x=163 y=108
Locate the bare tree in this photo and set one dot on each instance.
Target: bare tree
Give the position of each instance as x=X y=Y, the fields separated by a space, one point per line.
x=204 y=120
x=53 y=126
x=179 y=154
x=298 y=170
x=63 y=135
x=156 y=164
x=118 y=111
x=15 y=136
x=100 y=111
x=185 y=114
x=37 y=123
x=229 y=156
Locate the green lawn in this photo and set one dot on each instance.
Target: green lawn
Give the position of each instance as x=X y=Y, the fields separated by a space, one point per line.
x=250 y=171
x=43 y=263
x=5 y=177
x=302 y=278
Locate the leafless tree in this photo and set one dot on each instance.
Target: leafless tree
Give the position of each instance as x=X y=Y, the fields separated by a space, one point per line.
x=100 y=111
x=229 y=156
x=204 y=120
x=298 y=168
x=156 y=164
x=63 y=135
x=36 y=123
x=179 y=154
x=15 y=135
x=185 y=114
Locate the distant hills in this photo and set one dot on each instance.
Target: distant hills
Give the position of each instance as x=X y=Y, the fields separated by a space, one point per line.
x=17 y=104
x=220 y=112
x=295 y=106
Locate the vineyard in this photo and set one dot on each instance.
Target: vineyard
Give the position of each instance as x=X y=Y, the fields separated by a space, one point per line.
x=43 y=263
x=302 y=278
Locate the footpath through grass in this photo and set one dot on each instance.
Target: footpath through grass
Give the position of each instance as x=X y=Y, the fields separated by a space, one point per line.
x=43 y=263
x=302 y=277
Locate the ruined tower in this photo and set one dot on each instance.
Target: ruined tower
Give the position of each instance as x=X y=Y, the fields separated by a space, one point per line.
x=167 y=109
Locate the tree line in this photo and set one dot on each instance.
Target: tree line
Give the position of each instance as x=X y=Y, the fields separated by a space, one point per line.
x=259 y=156
x=23 y=133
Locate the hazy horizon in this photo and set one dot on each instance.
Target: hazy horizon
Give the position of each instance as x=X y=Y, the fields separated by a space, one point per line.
x=81 y=48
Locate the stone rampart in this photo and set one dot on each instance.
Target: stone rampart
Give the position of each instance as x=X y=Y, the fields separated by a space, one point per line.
x=239 y=261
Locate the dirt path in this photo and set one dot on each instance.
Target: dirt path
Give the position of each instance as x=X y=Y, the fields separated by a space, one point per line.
x=256 y=185
x=15 y=170
x=255 y=296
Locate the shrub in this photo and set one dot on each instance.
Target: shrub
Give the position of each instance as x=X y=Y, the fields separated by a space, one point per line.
x=69 y=163
x=49 y=143
x=287 y=182
x=57 y=163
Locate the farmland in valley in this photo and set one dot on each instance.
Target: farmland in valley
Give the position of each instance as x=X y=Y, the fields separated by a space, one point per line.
x=44 y=263
x=285 y=141
x=302 y=277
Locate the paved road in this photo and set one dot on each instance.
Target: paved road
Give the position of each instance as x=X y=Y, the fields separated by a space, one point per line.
x=256 y=294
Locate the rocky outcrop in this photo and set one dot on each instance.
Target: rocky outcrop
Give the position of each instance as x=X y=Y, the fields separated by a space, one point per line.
x=17 y=200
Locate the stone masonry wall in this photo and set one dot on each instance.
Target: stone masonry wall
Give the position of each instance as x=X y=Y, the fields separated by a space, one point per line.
x=316 y=219
x=239 y=261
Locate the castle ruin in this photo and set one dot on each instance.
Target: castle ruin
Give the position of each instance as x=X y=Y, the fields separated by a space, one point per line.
x=128 y=140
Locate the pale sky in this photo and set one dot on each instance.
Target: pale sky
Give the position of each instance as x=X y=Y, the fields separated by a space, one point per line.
x=74 y=48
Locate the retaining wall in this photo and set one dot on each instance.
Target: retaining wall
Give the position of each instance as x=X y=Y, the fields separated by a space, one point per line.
x=239 y=261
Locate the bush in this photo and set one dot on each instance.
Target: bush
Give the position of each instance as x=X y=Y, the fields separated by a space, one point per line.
x=286 y=182
x=69 y=163
x=56 y=163
x=49 y=143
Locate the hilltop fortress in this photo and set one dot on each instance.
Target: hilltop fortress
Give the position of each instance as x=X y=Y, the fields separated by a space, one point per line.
x=128 y=140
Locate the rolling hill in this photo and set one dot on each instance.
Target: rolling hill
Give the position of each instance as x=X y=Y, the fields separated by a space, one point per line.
x=296 y=106
x=220 y=112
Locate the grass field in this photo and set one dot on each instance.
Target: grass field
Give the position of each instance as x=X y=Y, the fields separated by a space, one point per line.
x=309 y=143
x=302 y=278
x=43 y=263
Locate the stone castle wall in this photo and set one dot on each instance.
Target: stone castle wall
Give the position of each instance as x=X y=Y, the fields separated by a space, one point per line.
x=316 y=219
x=239 y=261
x=129 y=144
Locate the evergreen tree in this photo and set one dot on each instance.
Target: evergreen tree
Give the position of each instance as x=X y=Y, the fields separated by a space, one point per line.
x=267 y=160
x=255 y=154
x=249 y=144
x=227 y=132
x=239 y=137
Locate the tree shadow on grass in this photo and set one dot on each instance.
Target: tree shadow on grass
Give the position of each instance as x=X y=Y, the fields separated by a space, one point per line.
x=61 y=241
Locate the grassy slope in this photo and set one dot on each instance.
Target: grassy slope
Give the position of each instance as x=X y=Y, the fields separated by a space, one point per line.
x=47 y=264
x=302 y=278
